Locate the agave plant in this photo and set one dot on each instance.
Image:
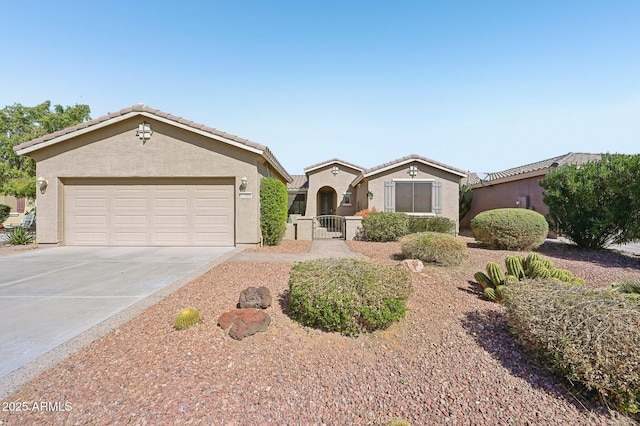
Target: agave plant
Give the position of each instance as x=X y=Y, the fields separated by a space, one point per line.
x=20 y=236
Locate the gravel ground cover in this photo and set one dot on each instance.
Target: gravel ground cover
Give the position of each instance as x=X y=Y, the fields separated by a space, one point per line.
x=286 y=246
x=450 y=361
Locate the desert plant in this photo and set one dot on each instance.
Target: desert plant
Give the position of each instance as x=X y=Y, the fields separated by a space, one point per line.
x=4 y=212
x=597 y=203
x=19 y=236
x=435 y=248
x=273 y=210
x=398 y=422
x=510 y=229
x=365 y=212
x=630 y=287
x=588 y=335
x=385 y=226
x=465 y=192
x=186 y=318
x=521 y=268
x=431 y=224
x=347 y=295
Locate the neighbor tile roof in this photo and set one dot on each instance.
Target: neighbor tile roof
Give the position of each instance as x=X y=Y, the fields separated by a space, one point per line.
x=298 y=182
x=266 y=152
x=542 y=166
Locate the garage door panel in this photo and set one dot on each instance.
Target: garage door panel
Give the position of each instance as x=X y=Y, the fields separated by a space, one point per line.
x=145 y=212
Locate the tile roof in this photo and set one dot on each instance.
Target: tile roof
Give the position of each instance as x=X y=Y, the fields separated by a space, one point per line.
x=408 y=158
x=541 y=166
x=141 y=108
x=331 y=161
x=299 y=182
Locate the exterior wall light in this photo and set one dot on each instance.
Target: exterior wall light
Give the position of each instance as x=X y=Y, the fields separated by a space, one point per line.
x=370 y=195
x=335 y=170
x=243 y=183
x=144 y=131
x=413 y=171
x=42 y=184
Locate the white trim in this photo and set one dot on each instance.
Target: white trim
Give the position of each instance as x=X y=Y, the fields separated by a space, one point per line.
x=328 y=163
x=402 y=163
x=127 y=116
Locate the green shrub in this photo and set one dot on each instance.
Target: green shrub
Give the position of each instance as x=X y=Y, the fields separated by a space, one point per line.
x=4 y=212
x=434 y=247
x=510 y=229
x=384 y=226
x=597 y=203
x=431 y=224
x=273 y=210
x=588 y=335
x=347 y=295
x=19 y=237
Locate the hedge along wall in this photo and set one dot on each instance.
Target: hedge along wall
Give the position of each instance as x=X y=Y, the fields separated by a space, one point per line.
x=273 y=210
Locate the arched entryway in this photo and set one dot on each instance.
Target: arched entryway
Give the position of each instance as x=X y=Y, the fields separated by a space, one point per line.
x=327 y=202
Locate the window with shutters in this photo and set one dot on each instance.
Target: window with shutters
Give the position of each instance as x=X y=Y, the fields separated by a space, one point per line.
x=420 y=197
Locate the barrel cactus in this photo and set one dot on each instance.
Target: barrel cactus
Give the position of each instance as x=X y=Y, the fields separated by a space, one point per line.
x=186 y=318
x=519 y=268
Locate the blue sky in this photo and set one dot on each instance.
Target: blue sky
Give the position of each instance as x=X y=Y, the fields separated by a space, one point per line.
x=480 y=85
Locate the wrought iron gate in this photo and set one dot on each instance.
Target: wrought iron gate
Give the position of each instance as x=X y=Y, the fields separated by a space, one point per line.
x=328 y=227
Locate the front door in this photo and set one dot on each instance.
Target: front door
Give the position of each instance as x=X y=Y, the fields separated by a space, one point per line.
x=326 y=202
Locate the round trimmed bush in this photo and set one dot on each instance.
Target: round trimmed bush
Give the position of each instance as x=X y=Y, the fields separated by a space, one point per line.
x=347 y=295
x=510 y=229
x=434 y=247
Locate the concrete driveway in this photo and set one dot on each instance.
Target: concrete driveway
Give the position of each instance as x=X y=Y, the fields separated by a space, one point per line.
x=49 y=296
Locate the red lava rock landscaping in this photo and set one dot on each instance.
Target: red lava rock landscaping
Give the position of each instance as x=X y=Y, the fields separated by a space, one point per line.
x=451 y=361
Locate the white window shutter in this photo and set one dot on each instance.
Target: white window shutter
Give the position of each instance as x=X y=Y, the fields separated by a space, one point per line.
x=389 y=197
x=437 y=197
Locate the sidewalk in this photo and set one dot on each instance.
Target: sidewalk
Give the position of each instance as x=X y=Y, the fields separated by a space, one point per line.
x=321 y=249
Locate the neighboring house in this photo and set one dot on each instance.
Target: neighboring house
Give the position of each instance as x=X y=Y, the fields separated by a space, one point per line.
x=19 y=206
x=140 y=176
x=414 y=184
x=518 y=187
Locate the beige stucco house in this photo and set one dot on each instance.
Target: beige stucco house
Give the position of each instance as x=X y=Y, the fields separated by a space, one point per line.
x=518 y=187
x=413 y=184
x=141 y=176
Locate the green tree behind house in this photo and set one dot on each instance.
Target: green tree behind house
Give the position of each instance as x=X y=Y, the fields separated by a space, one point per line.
x=19 y=124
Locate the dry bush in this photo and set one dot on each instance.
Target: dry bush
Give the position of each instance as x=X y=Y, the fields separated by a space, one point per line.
x=589 y=335
x=435 y=248
x=347 y=295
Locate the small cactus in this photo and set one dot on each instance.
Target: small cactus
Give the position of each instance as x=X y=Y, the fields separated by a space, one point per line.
x=490 y=292
x=483 y=279
x=514 y=266
x=186 y=318
x=526 y=263
x=495 y=273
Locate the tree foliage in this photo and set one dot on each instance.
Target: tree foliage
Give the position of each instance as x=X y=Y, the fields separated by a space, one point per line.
x=595 y=204
x=465 y=197
x=19 y=124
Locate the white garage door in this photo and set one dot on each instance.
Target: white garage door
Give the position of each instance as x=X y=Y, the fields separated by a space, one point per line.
x=137 y=212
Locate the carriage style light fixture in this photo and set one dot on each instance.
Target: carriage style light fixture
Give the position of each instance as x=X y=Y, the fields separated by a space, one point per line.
x=335 y=170
x=413 y=171
x=144 y=131
x=42 y=184
x=243 y=183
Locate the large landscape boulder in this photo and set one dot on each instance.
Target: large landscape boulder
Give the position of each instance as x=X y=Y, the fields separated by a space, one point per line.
x=413 y=265
x=241 y=323
x=253 y=297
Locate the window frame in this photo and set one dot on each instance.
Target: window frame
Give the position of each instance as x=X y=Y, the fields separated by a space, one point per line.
x=346 y=195
x=436 y=196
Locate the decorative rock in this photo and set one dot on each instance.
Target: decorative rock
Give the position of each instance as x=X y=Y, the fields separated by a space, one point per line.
x=413 y=265
x=253 y=297
x=241 y=323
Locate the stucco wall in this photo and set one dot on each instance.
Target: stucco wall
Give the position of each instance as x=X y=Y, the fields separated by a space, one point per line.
x=340 y=183
x=505 y=195
x=449 y=181
x=116 y=151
